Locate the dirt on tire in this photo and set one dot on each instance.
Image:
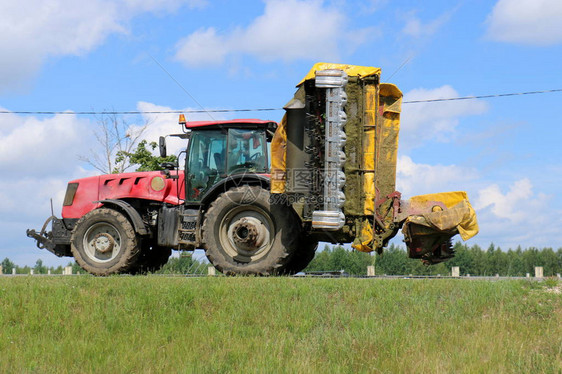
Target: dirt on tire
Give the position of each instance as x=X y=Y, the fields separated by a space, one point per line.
x=231 y=207
x=129 y=246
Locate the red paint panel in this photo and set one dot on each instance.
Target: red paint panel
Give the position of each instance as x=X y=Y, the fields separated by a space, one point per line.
x=123 y=186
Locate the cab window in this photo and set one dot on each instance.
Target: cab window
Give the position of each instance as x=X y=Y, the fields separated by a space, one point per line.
x=247 y=151
x=207 y=162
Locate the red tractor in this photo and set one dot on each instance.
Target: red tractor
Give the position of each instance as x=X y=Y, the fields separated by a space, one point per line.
x=131 y=222
x=332 y=179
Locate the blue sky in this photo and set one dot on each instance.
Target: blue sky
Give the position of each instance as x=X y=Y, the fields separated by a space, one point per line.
x=63 y=55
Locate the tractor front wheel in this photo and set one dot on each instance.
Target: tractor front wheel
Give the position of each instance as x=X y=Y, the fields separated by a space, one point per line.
x=104 y=242
x=302 y=257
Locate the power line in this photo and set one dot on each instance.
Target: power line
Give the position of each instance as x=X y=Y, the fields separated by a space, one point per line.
x=267 y=109
x=143 y=112
x=180 y=85
x=400 y=67
x=482 y=96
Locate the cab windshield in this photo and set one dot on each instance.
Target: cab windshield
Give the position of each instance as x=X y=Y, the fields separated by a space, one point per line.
x=246 y=151
x=216 y=154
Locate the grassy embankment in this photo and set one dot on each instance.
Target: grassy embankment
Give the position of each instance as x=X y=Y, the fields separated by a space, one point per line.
x=155 y=324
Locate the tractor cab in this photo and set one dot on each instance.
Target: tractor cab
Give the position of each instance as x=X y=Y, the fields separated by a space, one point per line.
x=220 y=149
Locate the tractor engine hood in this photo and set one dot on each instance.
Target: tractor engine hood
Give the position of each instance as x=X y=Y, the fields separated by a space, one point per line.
x=85 y=194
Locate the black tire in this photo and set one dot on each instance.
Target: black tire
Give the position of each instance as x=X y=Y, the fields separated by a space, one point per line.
x=302 y=256
x=245 y=234
x=151 y=259
x=104 y=242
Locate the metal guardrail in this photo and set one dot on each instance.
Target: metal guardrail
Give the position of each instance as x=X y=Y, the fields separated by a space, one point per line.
x=198 y=269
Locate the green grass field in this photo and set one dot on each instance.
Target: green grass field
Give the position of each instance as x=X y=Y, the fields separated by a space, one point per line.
x=268 y=325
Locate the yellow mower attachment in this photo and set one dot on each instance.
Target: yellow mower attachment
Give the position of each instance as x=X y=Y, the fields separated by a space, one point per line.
x=441 y=216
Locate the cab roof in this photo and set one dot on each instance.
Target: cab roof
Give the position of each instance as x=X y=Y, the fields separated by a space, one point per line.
x=253 y=123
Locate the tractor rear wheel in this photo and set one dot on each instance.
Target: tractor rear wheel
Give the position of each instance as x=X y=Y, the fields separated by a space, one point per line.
x=302 y=256
x=244 y=233
x=104 y=242
x=151 y=259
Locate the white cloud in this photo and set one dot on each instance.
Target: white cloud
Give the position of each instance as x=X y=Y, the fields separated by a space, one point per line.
x=33 y=30
x=41 y=147
x=532 y=22
x=288 y=30
x=372 y=6
x=418 y=179
x=434 y=121
x=516 y=205
x=38 y=158
x=202 y=47
x=160 y=124
x=519 y=216
x=416 y=28
x=140 y=6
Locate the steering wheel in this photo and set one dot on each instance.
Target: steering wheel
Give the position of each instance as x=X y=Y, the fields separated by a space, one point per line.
x=254 y=157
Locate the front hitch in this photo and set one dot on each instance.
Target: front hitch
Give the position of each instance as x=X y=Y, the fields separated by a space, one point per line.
x=45 y=239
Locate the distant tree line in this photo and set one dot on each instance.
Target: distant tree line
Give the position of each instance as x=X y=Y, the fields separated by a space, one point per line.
x=185 y=264
x=39 y=268
x=471 y=260
x=394 y=260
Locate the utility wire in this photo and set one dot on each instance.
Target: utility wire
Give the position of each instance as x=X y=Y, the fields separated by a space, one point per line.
x=400 y=67
x=144 y=112
x=482 y=96
x=270 y=109
x=182 y=87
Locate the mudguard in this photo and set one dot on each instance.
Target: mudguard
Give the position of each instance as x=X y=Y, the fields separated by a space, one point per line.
x=131 y=212
x=234 y=181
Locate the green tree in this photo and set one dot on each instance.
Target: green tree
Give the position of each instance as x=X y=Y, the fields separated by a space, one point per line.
x=478 y=261
x=531 y=259
x=321 y=261
x=338 y=258
x=559 y=256
x=39 y=268
x=500 y=262
x=22 y=270
x=393 y=261
x=358 y=262
x=7 y=266
x=75 y=267
x=185 y=264
x=462 y=259
x=549 y=261
x=516 y=266
x=489 y=262
x=143 y=157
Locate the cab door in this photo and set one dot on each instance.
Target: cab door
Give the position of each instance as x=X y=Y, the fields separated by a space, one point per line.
x=206 y=163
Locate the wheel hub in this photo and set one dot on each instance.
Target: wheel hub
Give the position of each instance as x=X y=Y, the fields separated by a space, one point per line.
x=245 y=232
x=103 y=243
x=248 y=234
